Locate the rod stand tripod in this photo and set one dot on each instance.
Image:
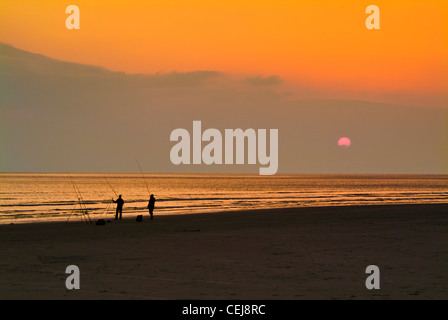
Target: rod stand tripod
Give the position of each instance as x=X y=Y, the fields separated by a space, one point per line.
x=81 y=210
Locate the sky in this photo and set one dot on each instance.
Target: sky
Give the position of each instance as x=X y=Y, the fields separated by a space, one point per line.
x=321 y=43
x=310 y=68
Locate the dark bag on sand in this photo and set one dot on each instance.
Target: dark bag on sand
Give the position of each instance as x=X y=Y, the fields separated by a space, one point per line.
x=139 y=218
x=100 y=222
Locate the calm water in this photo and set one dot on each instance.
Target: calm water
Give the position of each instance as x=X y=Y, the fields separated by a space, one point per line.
x=43 y=197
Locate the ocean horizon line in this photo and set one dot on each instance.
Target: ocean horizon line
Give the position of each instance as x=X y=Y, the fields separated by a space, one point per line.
x=223 y=174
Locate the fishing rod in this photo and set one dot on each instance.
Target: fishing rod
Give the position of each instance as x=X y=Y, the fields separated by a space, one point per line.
x=82 y=203
x=80 y=200
x=106 y=210
x=147 y=189
x=110 y=186
x=77 y=195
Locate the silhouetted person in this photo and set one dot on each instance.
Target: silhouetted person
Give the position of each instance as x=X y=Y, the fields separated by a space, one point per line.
x=151 y=203
x=119 y=203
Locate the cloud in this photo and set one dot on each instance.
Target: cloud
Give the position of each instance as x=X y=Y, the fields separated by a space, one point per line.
x=267 y=81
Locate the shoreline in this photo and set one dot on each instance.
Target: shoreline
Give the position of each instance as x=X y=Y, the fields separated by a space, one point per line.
x=286 y=254
x=76 y=219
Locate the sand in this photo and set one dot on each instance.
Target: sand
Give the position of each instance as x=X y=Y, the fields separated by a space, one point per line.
x=287 y=254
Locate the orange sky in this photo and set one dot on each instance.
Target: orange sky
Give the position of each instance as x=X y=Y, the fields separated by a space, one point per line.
x=321 y=43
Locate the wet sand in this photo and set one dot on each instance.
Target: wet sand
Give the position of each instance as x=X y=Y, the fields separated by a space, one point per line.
x=289 y=254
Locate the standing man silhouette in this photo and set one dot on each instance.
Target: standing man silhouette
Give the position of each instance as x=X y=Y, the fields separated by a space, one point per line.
x=151 y=203
x=119 y=203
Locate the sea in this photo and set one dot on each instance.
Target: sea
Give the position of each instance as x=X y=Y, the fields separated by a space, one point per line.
x=38 y=197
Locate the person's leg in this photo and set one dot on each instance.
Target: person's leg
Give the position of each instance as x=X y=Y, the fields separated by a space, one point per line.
x=116 y=214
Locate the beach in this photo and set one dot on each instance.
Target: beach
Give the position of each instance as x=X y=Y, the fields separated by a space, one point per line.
x=278 y=254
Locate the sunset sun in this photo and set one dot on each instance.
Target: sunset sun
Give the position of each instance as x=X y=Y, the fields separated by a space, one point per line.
x=344 y=142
